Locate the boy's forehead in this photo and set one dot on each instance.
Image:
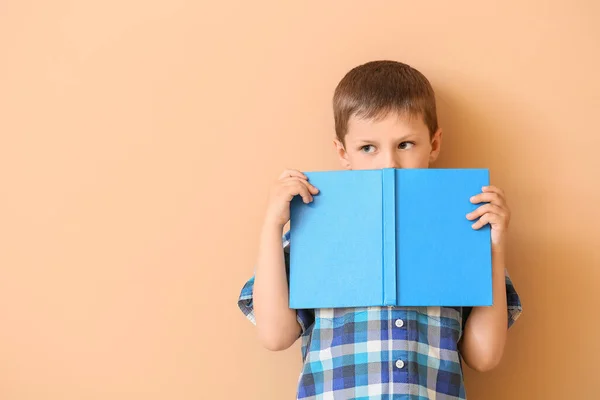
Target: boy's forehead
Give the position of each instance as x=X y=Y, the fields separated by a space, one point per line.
x=391 y=124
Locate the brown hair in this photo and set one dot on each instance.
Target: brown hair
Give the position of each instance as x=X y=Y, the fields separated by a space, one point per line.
x=374 y=89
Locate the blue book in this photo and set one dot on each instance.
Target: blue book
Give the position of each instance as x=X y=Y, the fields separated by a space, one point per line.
x=390 y=237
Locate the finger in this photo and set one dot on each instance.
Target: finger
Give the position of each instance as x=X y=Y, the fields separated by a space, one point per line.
x=493 y=189
x=288 y=173
x=488 y=197
x=481 y=222
x=311 y=188
x=494 y=220
x=296 y=186
x=487 y=208
x=304 y=193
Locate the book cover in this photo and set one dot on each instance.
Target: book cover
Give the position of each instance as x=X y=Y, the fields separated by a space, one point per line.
x=390 y=237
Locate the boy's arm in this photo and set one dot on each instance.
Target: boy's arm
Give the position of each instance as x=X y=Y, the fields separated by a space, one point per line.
x=277 y=324
x=484 y=334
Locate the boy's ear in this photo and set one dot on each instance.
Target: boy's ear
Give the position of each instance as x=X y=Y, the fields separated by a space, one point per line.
x=436 y=146
x=341 y=152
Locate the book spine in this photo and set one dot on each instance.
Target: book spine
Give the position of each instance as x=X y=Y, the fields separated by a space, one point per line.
x=389 y=236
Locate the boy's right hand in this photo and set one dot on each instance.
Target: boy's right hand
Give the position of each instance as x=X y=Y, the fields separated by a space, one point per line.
x=291 y=183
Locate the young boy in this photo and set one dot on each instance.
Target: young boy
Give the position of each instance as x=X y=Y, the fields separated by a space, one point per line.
x=385 y=117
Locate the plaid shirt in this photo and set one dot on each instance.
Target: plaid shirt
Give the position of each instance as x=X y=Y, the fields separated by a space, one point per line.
x=380 y=352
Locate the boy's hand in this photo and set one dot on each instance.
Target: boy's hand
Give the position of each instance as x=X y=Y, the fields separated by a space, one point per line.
x=291 y=183
x=495 y=212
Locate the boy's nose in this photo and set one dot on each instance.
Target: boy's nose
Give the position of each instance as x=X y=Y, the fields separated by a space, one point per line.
x=391 y=162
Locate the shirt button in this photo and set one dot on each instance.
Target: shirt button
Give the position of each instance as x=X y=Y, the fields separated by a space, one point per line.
x=400 y=364
x=399 y=323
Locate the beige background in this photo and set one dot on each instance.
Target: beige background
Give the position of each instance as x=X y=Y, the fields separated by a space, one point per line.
x=138 y=140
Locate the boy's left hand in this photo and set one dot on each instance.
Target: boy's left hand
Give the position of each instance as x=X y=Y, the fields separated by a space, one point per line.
x=495 y=212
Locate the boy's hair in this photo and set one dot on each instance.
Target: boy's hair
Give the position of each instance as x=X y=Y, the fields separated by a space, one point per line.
x=375 y=89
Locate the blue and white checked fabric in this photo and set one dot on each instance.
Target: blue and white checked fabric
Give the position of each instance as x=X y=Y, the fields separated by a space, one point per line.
x=380 y=352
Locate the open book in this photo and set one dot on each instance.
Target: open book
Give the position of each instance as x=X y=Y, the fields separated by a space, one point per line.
x=390 y=237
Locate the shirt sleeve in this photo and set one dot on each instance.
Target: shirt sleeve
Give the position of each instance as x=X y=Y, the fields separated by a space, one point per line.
x=305 y=317
x=513 y=302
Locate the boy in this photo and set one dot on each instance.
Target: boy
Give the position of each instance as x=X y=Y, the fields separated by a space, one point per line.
x=385 y=117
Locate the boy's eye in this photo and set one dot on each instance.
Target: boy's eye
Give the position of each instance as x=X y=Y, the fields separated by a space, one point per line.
x=367 y=148
x=406 y=145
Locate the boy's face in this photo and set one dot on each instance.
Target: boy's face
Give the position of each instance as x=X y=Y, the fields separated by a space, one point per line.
x=396 y=141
